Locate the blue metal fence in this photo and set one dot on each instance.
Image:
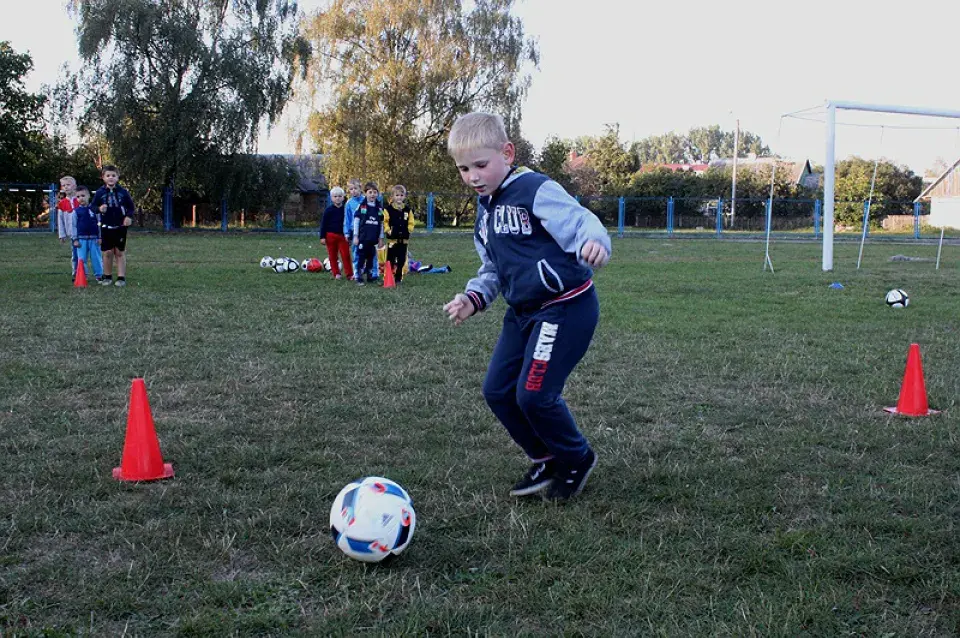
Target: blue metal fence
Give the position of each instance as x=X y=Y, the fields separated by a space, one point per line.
x=666 y=215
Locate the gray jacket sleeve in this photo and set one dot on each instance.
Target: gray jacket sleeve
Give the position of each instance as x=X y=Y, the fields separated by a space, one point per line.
x=570 y=224
x=485 y=287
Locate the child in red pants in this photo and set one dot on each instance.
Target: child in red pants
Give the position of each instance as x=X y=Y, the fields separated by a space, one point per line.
x=331 y=235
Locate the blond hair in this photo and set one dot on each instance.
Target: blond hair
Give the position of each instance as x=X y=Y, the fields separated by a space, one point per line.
x=400 y=188
x=477 y=130
x=354 y=182
x=336 y=190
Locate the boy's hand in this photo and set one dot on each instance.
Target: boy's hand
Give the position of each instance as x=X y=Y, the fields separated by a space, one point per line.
x=459 y=309
x=380 y=244
x=323 y=242
x=99 y=242
x=76 y=243
x=356 y=241
x=595 y=254
x=128 y=221
x=103 y=208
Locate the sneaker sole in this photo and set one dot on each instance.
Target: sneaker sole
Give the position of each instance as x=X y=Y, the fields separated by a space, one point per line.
x=533 y=489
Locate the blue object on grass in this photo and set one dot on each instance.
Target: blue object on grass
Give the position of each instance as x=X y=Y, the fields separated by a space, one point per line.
x=837 y=285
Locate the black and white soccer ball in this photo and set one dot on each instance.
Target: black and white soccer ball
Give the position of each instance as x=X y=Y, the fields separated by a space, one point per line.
x=305 y=264
x=267 y=262
x=372 y=518
x=280 y=264
x=897 y=298
x=293 y=265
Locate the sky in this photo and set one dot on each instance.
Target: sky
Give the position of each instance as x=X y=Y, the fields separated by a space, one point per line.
x=655 y=67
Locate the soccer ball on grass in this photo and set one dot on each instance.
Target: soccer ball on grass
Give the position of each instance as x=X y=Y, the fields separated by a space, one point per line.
x=267 y=262
x=371 y=519
x=897 y=298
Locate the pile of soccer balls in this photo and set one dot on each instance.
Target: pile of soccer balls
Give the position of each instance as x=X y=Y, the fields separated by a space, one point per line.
x=286 y=264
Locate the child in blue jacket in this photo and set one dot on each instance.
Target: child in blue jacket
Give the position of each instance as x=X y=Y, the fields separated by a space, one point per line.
x=537 y=246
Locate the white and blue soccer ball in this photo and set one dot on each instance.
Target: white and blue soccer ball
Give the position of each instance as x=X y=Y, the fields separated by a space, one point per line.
x=293 y=265
x=897 y=298
x=267 y=262
x=372 y=518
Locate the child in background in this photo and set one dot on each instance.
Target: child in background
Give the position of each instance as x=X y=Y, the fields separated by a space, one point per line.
x=115 y=206
x=87 y=232
x=332 y=236
x=537 y=246
x=398 y=225
x=66 y=218
x=368 y=232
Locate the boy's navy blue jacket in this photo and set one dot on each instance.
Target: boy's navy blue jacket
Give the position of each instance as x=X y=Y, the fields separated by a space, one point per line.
x=332 y=221
x=529 y=235
x=119 y=205
x=88 y=222
x=368 y=223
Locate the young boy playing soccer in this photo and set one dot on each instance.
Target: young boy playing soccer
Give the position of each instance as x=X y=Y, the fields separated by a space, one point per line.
x=368 y=232
x=115 y=206
x=537 y=246
x=86 y=238
x=350 y=211
x=399 y=224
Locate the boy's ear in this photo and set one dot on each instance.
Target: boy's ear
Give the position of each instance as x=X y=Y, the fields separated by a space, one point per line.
x=509 y=152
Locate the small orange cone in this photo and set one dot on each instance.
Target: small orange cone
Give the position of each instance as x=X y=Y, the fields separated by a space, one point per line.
x=913 y=391
x=141 y=451
x=388 y=281
x=80 y=280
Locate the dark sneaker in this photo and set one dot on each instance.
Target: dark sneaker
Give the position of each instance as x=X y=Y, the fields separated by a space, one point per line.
x=537 y=478
x=568 y=481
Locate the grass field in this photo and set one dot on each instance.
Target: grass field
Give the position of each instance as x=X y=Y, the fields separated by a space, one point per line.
x=749 y=483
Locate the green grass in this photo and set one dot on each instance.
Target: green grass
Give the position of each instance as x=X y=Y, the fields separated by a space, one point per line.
x=749 y=483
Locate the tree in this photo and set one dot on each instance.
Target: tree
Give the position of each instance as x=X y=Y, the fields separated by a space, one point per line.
x=176 y=84
x=22 y=137
x=395 y=74
x=699 y=145
x=612 y=163
x=893 y=184
x=553 y=156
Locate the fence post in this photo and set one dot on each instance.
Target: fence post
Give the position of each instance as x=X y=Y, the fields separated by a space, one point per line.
x=278 y=220
x=52 y=199
x=670 y=216
x=430 y=205
x=916 y=220
x=621 y=212
x=719 y=216
x=223 y=214
x=816 y=218
x=167 y=209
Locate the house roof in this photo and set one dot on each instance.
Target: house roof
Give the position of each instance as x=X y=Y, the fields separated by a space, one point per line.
x=929 y=189
x=309 y=171
x=801 y=172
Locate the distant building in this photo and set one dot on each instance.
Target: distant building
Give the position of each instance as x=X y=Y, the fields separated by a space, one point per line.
x=310 y=198
x=801 y=173
x=696 y=169
x=943 y=193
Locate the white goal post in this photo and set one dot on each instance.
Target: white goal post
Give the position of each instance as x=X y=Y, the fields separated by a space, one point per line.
x=830 y=163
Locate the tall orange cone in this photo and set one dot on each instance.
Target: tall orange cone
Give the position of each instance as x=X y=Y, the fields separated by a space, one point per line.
x=388 y=281
x=141 y=451
x=80 y=280
x=913 y=391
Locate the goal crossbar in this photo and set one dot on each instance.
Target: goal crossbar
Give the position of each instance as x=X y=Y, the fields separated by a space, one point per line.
x=829 y=177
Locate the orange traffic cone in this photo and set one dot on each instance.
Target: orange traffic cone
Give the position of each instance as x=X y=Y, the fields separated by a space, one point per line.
x=913 y=391
x=141 y=451
x=80 y=280
x=388 y=281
